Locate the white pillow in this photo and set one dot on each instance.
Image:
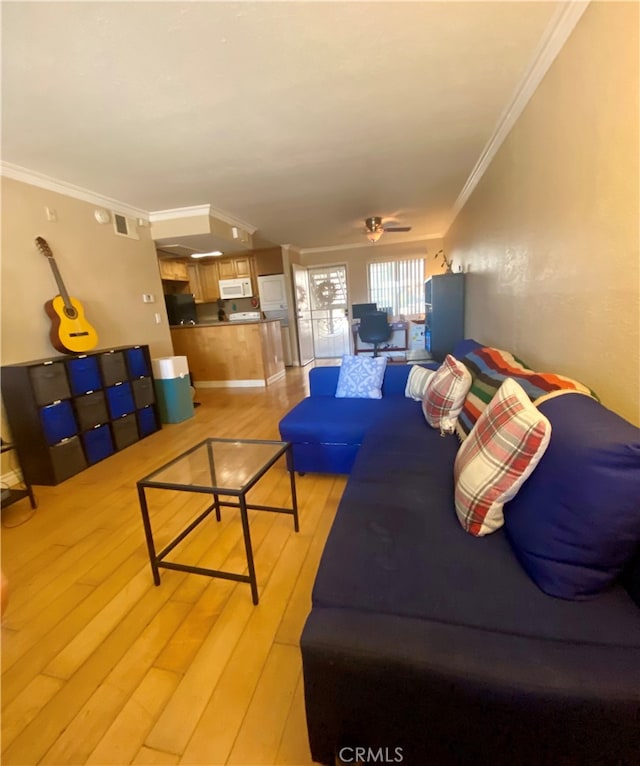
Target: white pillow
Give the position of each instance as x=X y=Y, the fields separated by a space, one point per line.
x=361 y=377
x=417 y=382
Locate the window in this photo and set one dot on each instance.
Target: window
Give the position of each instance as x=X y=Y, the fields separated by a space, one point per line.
x=398 y=285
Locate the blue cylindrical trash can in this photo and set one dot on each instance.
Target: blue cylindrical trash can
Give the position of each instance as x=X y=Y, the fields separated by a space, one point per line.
x=173 y=388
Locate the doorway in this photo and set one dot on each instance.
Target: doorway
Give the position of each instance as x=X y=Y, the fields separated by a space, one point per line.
x=329 y=310
x=303 y=313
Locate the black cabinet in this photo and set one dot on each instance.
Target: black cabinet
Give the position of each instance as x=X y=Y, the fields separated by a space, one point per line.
x=444 y=314
x=67 y=413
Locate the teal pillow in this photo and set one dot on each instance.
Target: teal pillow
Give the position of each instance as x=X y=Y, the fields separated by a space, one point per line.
x=361 y=377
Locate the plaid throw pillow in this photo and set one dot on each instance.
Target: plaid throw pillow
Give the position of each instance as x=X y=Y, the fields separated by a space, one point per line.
x=445 y=394
x=498 y=456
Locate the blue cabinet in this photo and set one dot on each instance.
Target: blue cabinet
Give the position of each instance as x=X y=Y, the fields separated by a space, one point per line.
x=443 y=314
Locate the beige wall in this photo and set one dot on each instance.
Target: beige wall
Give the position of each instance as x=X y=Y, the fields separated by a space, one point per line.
x=549 y=238
x=106 y=272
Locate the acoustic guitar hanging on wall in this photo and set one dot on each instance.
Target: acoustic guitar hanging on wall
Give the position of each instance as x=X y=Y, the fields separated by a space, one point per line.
x=70 y=332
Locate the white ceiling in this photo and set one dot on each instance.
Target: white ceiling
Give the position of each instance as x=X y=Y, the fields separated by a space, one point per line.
x=299 y=118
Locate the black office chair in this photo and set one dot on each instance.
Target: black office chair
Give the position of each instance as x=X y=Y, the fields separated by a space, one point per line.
x=375 y=329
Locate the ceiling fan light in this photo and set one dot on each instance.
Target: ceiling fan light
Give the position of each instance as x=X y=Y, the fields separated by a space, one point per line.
x=374 y=236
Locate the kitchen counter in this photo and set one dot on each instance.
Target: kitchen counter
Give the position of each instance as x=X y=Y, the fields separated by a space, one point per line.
x=231 y=354
x=216 y=322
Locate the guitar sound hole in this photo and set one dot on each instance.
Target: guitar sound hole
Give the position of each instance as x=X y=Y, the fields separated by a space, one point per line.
x=70 y=313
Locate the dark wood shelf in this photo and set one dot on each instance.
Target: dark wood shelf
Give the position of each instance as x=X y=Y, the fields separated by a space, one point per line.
x=11 y=495
x=15 y=495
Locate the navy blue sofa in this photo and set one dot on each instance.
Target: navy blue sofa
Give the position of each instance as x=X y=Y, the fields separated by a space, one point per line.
x=426 y=645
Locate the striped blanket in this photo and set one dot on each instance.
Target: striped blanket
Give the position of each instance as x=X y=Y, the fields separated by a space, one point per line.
x=489 y=367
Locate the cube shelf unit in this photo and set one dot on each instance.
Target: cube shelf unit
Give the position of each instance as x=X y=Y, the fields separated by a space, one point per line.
x=67 y=413
x=443 y=314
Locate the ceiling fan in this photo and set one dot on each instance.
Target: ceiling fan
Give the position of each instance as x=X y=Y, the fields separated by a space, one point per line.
x=374 y=228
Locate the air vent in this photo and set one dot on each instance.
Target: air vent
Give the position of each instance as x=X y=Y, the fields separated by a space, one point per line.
x=125 y=227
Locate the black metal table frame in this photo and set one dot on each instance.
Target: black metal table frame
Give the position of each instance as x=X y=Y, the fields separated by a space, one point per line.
x=157 y=559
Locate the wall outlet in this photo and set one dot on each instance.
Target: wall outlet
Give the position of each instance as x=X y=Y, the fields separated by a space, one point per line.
x=148 y=298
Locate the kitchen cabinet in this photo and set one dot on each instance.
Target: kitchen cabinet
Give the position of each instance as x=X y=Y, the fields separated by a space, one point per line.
x=234 y=268
x=268 y=261
x=243 y=267
x=209 y=277
x=173 y=269
x=227 y=269
x=231 y=354
x=195 y=282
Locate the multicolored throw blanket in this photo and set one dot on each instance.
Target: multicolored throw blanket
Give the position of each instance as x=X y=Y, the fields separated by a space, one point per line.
x=489 y=367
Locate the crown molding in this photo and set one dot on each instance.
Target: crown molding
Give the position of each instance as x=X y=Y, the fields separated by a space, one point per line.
x=26 y=176
x=187 y=212
x=33 y=178
x=362 y=245
x=556 y=34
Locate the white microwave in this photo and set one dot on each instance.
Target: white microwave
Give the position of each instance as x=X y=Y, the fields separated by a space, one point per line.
x=236 y=288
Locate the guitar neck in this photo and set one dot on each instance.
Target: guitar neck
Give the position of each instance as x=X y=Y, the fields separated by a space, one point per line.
x=62 y=289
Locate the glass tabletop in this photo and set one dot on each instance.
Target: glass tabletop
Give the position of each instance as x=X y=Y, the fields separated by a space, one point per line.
x=227 y=466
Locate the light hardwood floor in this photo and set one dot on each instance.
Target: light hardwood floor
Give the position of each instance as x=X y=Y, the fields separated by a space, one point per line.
x=101 y=667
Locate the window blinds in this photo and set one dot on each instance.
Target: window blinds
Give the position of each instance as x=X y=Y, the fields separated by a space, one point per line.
x=398 y=285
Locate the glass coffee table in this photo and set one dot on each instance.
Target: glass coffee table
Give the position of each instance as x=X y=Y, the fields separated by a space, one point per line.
x=228 y=467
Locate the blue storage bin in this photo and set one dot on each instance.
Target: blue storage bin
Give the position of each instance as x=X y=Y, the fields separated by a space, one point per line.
x=84 y=374
x=147 y=422
x=58 y=422
x=98 y=443
x=137 y=361
x=120 y=400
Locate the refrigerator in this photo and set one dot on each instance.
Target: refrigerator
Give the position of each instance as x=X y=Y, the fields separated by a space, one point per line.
x=181 y=309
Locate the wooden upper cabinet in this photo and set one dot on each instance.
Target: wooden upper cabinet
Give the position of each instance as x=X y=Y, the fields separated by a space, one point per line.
x=243 y=267
x=233 y=268
x=202 y=278
x=209 y=281
x=173 y=269
x=195 y=285
x=268 y=261
x=227 y=269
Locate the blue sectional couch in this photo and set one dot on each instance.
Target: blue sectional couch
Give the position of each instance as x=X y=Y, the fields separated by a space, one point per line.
x=426 y=645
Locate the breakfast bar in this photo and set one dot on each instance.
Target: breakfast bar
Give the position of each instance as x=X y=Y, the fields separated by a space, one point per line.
x=231 y=354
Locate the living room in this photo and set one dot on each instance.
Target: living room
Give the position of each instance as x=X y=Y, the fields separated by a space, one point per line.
x=548 y=241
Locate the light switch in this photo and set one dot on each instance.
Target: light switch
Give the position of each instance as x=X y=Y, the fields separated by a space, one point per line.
x=158 y=318
x=51 y=214
x=148 y=298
